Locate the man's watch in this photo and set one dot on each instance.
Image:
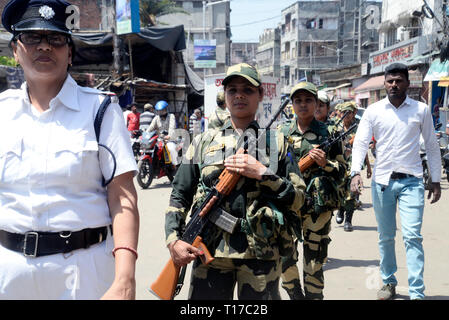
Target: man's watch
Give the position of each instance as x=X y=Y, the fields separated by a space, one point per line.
x=354 y=173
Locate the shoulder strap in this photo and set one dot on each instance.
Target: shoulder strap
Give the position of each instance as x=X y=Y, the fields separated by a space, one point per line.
x=97 y=125
x=100 y=114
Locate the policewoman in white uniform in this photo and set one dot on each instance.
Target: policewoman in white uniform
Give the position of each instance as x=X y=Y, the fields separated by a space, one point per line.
x=56 y=215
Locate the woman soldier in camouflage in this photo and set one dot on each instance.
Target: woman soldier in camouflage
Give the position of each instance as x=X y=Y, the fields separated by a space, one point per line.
x=250 y=256
x=348 y=207
x=322 y=180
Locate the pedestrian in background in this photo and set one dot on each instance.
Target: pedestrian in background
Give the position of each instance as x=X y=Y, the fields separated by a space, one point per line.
x=397 y=122
x=250 y=256
x=146 y=117
x=195 y=124
x=133 y=119
x=305 y=133
x=55 y=214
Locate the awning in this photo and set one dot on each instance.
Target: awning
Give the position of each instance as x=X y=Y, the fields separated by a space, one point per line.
x=374 y=83
x=437 y=70
x=164 y=39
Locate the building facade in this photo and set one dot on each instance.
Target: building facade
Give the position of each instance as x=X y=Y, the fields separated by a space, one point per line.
x=324 y=35
x=408 y=36
x=269 y=53
x=204 y=20
x=244 y=52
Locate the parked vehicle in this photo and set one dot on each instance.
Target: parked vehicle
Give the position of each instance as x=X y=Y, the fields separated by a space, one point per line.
x=154 y=161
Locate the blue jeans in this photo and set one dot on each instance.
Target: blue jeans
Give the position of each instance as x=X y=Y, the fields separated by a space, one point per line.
x=408 y=195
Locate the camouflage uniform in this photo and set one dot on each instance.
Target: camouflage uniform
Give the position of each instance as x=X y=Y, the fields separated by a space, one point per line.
x=322 y=192
x=220 y=115
x=218 y=118
x=347 y=208
x=251 y=255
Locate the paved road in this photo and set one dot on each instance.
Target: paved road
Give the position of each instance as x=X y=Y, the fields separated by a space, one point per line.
x=352 y=269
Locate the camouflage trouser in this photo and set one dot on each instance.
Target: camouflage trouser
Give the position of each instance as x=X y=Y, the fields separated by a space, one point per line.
x=256 y=279
x=350 y=199
x=316 y=242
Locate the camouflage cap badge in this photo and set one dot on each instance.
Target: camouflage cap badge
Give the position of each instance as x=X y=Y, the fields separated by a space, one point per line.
x=244 y=70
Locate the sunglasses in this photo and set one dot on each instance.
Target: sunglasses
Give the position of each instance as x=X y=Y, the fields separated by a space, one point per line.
x=53 y=39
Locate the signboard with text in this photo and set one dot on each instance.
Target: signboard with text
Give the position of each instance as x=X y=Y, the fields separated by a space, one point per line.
x=267 y=108
x=406 y=52
x=127 y=16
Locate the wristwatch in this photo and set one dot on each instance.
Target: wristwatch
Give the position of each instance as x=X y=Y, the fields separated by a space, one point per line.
x=354 y=173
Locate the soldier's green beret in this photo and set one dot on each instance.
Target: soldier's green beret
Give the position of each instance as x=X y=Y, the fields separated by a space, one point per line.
x=308 y=86
x=244 y=70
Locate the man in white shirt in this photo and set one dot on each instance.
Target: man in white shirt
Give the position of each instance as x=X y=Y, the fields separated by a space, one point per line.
x=396 y=123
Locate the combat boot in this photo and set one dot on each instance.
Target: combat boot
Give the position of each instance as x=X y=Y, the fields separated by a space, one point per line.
x=348 y=221
x=340 y=216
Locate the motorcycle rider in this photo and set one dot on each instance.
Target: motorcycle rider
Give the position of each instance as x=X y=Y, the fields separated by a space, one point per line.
x=165 y=124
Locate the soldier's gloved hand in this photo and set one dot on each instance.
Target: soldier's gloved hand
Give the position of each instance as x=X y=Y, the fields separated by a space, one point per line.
x=245 y=165
x=356 y=184
x=183 y=253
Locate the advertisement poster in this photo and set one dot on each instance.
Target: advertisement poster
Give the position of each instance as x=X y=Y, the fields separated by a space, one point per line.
x=205 y=53
x=267 y=108
x=127 y=16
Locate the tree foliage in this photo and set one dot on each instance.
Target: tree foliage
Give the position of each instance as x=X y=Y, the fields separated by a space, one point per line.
x=8 y=61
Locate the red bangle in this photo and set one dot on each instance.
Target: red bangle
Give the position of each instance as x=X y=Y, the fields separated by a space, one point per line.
x=126 y=248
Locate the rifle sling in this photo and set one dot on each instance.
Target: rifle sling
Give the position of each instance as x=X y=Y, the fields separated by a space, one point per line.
x=180 y=282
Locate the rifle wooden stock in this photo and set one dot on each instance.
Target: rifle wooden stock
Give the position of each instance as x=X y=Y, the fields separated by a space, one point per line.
x=305 y=163
x=165 y=285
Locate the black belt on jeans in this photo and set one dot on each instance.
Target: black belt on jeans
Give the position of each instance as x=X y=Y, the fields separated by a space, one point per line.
x=400 y=175
x=34 y=244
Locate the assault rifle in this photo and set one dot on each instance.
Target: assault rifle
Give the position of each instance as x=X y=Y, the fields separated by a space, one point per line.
x=167 y=284
x=306 y=162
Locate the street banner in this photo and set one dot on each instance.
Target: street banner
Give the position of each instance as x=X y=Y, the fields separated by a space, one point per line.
x=267 y=108
x=205 y=53
x=127 y=16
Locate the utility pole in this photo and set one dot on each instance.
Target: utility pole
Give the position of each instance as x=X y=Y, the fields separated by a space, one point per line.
x=359 y=40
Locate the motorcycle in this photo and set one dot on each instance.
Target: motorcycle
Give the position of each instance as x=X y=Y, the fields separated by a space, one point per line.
x=154 y=161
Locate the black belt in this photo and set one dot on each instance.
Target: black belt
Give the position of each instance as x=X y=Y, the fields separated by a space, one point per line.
x=34 y=244
x=400 y=175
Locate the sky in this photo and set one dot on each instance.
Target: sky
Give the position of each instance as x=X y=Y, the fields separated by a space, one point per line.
x=250 y=17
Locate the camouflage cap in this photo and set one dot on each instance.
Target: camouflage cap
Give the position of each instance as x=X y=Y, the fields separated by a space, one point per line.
x=220 y=97
x=322 y=96
x=348 y=106
x=308 y=86
x=244 y=70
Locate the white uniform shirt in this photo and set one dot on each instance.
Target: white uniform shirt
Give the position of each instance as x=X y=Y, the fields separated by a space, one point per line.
x=397 y=132
x=50 y=172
